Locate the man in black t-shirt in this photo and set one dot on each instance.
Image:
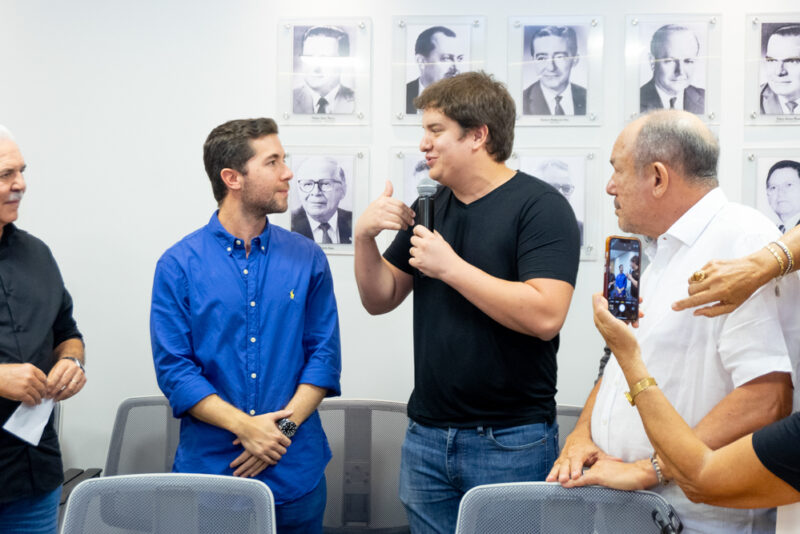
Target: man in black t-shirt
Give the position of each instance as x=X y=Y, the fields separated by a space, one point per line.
x=492 y=286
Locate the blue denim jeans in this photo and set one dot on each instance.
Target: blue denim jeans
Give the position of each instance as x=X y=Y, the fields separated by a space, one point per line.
x=439 y=465
x=303 y=515
x=31 y=515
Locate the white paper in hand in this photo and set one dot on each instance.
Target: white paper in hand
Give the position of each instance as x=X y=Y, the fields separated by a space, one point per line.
x=28 y=422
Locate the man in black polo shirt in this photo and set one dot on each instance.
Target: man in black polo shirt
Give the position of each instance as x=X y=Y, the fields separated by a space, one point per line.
x=499 y=273
x=41 y=357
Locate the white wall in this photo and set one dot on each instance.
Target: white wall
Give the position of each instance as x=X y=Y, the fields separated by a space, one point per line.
x=111 y=101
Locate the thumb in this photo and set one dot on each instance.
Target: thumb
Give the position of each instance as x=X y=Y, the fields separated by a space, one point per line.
x=388 y=190
x=280 y=414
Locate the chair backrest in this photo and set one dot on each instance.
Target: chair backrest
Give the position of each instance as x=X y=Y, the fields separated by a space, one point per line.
x=566 y=416
x=171 y=503
x=144 y=437
x=542 y=507
x=366 y=437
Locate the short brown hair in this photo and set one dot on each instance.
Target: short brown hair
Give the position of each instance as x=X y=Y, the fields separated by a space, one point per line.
x=228 y=147
x=473 y=99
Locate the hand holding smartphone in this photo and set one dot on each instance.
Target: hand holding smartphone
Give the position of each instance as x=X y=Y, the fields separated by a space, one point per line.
x=622 y=273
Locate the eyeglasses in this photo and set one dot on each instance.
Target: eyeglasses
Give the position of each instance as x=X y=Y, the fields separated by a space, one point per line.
x=564 y=189
x=307 y=186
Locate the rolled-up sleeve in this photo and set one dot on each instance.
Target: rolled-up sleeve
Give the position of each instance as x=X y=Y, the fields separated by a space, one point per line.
x=178 y=371
x=321 y=342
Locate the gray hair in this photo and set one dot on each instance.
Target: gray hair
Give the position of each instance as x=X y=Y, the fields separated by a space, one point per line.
x=661 y=35
x=674 y=139
x=5 y=133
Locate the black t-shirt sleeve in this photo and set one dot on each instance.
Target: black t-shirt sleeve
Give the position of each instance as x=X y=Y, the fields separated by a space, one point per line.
x=549 y=240
x=776 y=448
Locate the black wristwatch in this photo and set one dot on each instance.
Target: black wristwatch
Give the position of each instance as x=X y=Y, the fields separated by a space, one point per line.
x=287 y=427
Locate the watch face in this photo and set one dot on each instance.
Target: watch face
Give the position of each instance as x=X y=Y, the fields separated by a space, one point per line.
x=287 y=427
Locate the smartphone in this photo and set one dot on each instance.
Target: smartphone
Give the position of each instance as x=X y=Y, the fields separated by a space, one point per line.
x=621 y=288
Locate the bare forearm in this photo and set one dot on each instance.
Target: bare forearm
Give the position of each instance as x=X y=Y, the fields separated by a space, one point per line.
x=376 y=284
x=305 y=400
x=516 y=305
x=746 y=409
x=70 y=348
x=215 y=411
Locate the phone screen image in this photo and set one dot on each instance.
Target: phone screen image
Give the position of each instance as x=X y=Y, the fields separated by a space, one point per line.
x=623 y=261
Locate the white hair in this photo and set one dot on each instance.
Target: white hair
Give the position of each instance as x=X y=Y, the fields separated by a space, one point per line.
x=5 y=133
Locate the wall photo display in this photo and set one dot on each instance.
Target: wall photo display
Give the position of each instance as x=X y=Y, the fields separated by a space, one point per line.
x=772 y=70
x=673 y=62
x=771 y=184
x=574 y=172
x=555 y=69
x=327 y=194
x=324 y=71
x=428 y=49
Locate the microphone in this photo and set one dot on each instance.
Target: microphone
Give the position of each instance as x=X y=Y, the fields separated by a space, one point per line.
x=426 y=188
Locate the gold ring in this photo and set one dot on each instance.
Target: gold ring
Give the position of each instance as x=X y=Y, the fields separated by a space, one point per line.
x=698 y=276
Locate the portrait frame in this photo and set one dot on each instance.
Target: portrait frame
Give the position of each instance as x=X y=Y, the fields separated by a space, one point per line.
x=354 y=161
x=756 y=163
x=757 y=31
x=586 y=199
x=352 y=103
x=705 y=84
x=588 y=71
x=405 y=30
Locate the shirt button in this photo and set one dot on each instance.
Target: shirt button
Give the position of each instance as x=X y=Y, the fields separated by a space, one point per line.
x=252 y=340
x=252 y=304
x=238 y=242
x=245 y=271
x=253 y=375
x=229 y=249
x=263 y=248
x=252 y=412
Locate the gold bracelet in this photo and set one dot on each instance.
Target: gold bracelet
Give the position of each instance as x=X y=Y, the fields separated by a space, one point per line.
x=777 y=258
x=638 y=387
x=789 y=257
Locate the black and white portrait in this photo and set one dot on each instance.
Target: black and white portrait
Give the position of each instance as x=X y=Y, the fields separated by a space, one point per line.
x=778 y=190
x=672 y=66
x=323 y=70
x=321 y=198
x=567 y=174
x=415 y=168
x=780 y=68
x=554 y=74
x=434 y=52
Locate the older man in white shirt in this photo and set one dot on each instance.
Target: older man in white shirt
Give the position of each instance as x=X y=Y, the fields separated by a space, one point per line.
x=726 y=376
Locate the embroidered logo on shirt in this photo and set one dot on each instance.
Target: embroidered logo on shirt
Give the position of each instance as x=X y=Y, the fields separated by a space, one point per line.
x=291 y=294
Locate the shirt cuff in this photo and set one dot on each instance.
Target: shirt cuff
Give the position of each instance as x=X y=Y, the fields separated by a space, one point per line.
x=322 y=376
x=188 y=393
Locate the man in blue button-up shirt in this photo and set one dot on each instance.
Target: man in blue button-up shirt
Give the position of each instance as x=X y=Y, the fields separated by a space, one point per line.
x=245 y=332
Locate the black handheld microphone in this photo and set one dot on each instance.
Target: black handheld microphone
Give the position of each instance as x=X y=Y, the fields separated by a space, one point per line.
x=426 y=188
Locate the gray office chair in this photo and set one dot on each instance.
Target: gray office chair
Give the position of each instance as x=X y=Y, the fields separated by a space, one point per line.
x=542 y=507
x=171 y=503
x=144 y=438
x=566 y=416
x=365 y=437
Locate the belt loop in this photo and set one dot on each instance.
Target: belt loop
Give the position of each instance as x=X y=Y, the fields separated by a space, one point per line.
x=480 y=430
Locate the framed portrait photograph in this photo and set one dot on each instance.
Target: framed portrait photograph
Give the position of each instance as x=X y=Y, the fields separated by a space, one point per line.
x=771 y=184
x=324 y=71
x=673 y=62
x=574 y=174
x=328 y=192
x=407 y=168
x=772 y=73
x=555 y=69
x=429 y=49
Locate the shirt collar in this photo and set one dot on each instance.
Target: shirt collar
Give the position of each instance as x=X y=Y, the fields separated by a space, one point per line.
x=692 y=223
x=566 y=99
x=229 y=242
x=665 y=97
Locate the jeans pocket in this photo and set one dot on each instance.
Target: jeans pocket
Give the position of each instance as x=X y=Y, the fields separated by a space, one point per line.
x=518 y=438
